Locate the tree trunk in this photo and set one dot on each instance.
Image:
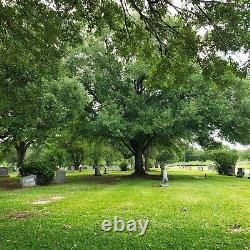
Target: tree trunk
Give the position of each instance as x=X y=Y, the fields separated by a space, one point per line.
x=162 y=168
x=146 y=163
x=21 y=149
x=97 y=169
x=139 y=170
x=76 y=165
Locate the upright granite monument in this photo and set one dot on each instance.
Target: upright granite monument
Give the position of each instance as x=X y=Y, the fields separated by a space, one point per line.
x=60 y=176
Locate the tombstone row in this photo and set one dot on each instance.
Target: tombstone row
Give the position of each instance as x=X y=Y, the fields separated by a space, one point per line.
x=31 y=180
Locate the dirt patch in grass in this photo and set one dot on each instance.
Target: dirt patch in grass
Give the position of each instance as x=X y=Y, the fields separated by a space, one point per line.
x=41 y=202
x=20 y=215
x=46 y=201
x=57 y=198
x=236 y=228
x=7 y=183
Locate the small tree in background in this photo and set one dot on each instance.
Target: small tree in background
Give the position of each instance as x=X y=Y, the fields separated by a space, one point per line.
x=77 y=152
x=244 y=155
x=96 y=154
x=163 y=158
x=225 y=160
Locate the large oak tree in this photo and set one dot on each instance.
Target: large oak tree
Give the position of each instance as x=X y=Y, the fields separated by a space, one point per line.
x=144 y=97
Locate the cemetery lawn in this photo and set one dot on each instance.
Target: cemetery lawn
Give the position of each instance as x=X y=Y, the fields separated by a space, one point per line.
x=192 y=213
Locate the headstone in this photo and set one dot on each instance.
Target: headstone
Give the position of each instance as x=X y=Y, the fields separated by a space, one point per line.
x=4 y=171
x=59 y=177
x=240 y=173
x=72 y=167
x=28 y=181
x=231 y=171
x=164 y=178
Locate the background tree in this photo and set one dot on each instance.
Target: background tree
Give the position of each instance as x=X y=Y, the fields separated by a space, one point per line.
x=111 y=155
x=29 y=113
x=225 y=160
x=164 y=157
x=126 y=67
x=244 y=154
x=96 y=154
x=144 y=98
x=77 y=151
x=7 y=155
x=55 y=153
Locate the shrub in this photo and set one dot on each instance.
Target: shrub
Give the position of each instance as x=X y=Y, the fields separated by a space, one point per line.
x=225 y=160
x=124 y=166
x=43 y=170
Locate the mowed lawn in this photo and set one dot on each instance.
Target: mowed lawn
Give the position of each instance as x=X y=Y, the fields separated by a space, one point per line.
x=192 y=213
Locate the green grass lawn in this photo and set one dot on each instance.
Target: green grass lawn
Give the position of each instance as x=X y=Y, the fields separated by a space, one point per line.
x=192 y=213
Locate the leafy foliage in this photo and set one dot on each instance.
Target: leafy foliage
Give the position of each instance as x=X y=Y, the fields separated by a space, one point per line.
x=225 y=160
x=123 y=166
x=165 y=157
x=149 y=73
x=32 y=112
x=138 y=99
x=244 y=154
x=44 y=171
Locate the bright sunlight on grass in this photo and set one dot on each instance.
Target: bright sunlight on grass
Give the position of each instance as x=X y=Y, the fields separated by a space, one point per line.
x=192 y=213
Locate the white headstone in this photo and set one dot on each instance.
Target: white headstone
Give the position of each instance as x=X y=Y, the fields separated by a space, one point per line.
x=28 y=181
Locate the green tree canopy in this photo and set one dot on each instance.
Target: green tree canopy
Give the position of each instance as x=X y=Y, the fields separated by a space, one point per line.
x=29 y=113
x=139 y=99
